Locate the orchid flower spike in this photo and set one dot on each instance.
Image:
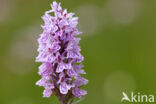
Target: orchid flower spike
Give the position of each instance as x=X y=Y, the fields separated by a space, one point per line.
x=60 y=56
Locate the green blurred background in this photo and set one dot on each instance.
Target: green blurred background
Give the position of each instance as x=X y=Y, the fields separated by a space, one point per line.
x=118 y=43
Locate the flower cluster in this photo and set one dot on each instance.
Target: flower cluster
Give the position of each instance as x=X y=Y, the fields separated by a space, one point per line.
x=60 y=54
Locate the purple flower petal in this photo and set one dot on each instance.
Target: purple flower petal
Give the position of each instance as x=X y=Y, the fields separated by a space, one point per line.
x=78 y=92
x=71 y=73
x=64 y=88
x=47 y=93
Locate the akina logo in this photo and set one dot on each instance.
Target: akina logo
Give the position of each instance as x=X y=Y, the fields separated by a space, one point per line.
x=137 y=98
